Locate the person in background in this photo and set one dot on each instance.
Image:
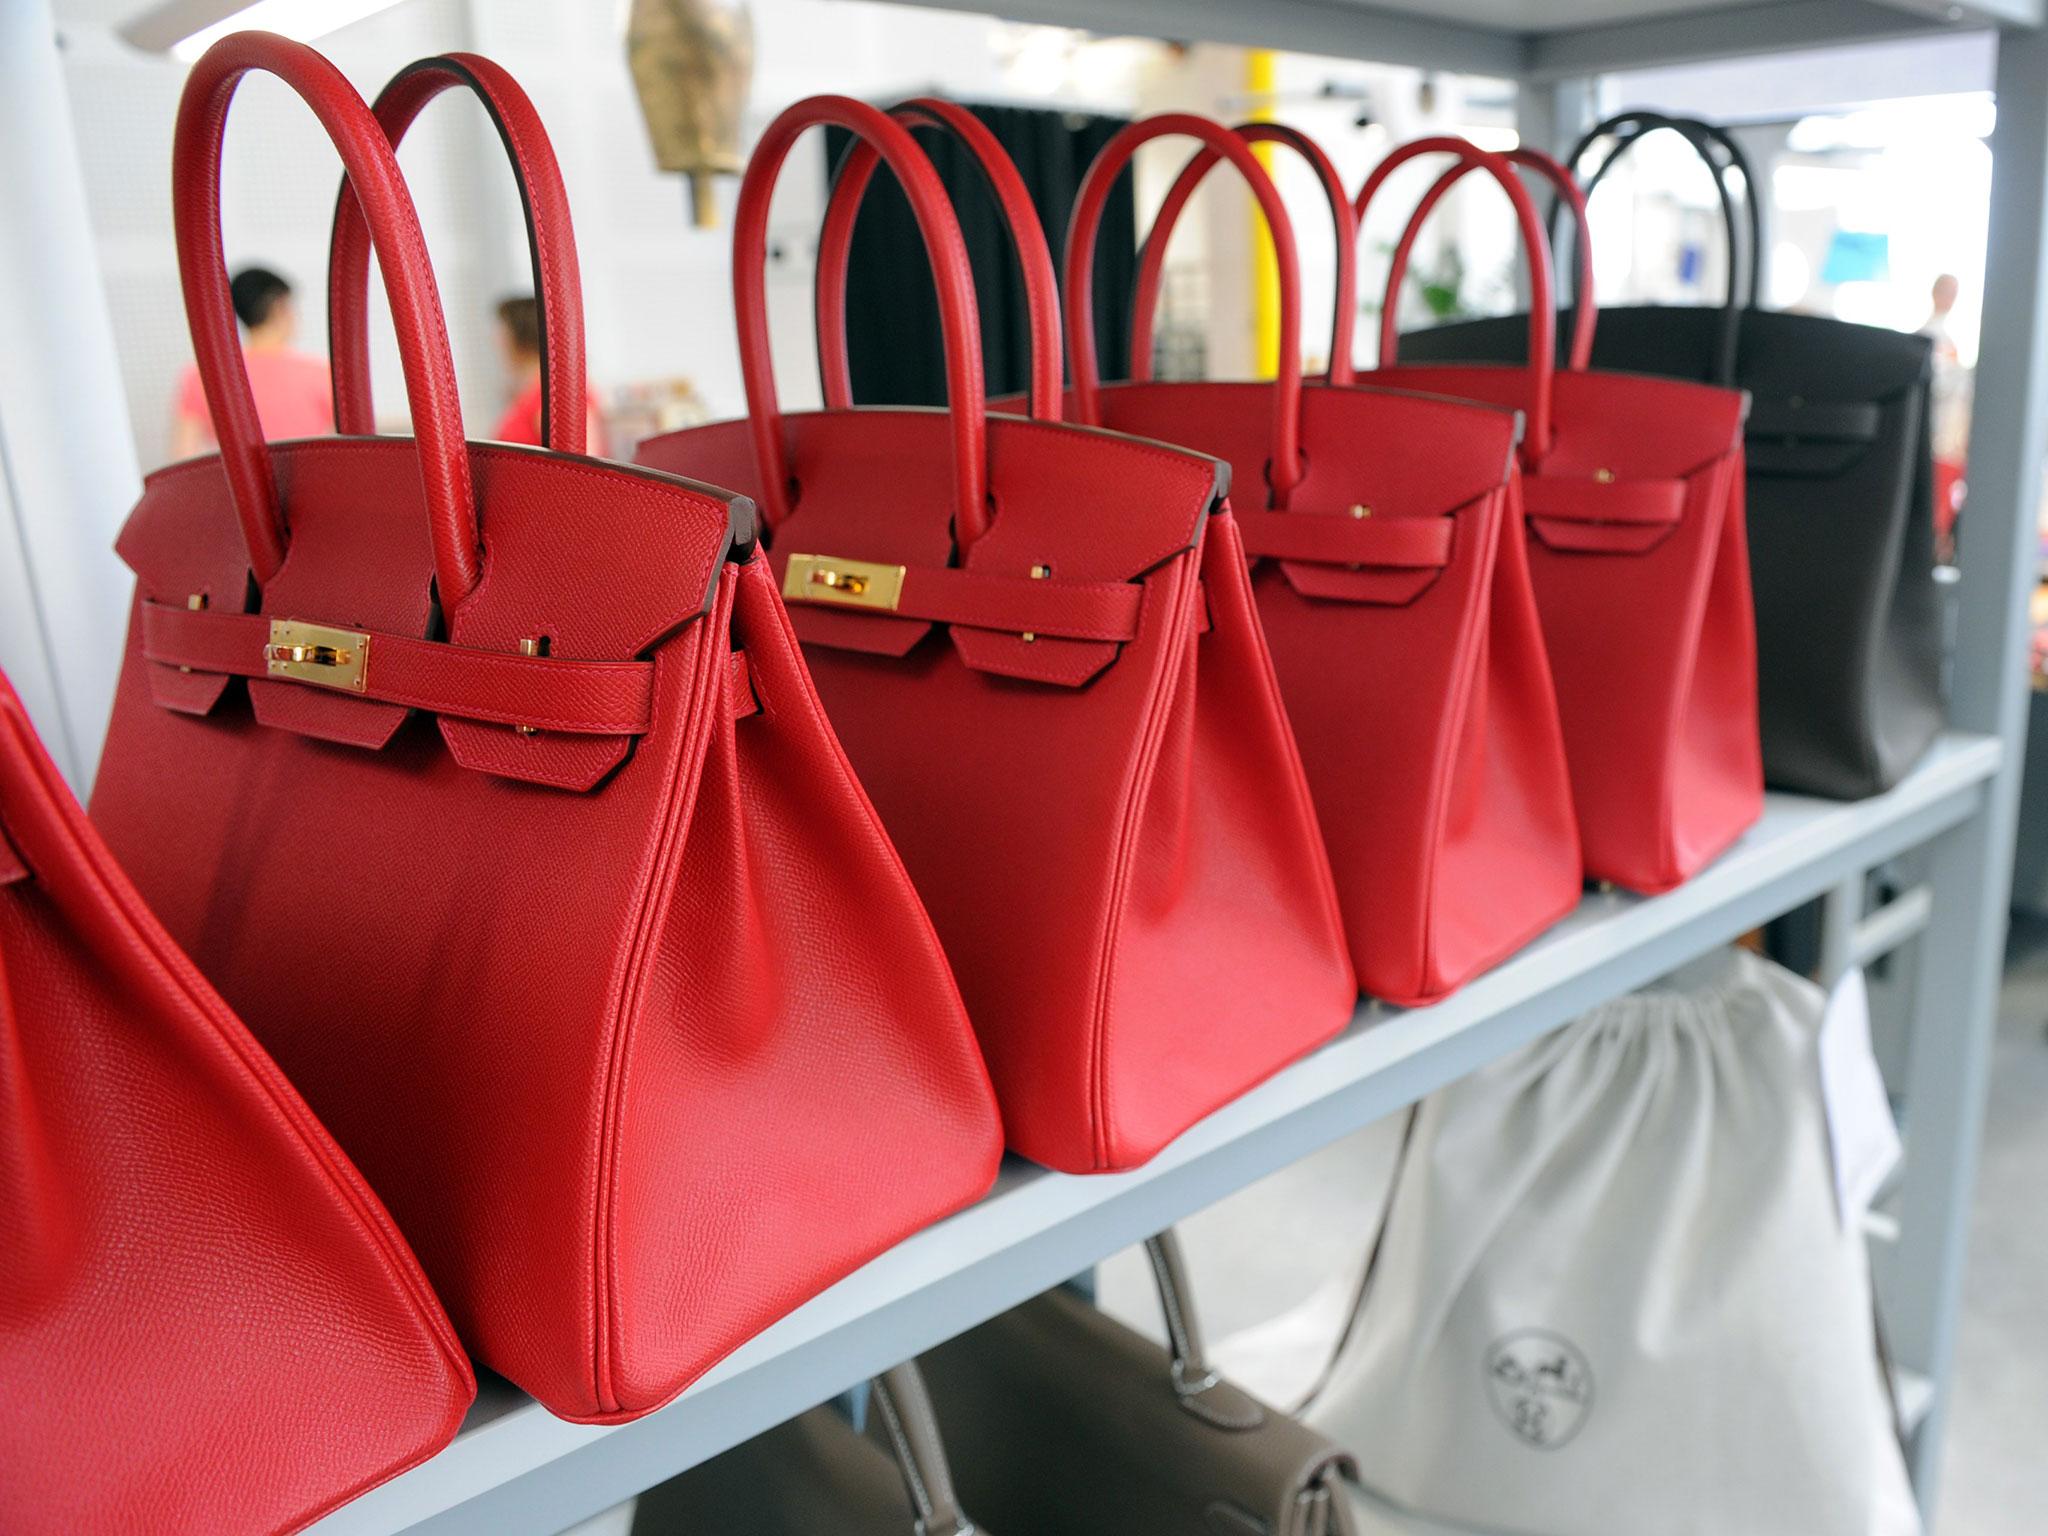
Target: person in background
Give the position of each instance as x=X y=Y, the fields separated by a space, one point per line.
x=1954 y=389
x=294 y=397
x=519 y=335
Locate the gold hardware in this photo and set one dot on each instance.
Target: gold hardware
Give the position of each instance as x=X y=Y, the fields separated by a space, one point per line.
x=312 y=653
x=532 y=645
x=850 y=583
x=197 y=604
x=1603 y=477
x=1038 y=573
x=1361 y=510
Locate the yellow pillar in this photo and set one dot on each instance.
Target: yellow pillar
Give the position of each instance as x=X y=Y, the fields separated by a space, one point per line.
x=1260 y=75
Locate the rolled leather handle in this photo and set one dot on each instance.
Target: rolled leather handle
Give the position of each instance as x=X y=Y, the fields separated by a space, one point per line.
x=1152 y=257
x=1284 y=469
x=1585 y=313
x=1632 y=127
x=967 y=398
x=1542 y=302
x=550 y=241
x=408 y=280
x=911 y=1425
x=1020 y=215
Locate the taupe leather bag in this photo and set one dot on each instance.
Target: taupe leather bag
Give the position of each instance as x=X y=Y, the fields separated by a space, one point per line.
x=818 y=1476
x=1063 y=1422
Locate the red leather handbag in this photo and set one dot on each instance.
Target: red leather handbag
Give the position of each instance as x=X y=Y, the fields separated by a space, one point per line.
x=1393 y=586
x=488 y=785
x=207 y=1321
x=1633 y=487
x=1039 y=646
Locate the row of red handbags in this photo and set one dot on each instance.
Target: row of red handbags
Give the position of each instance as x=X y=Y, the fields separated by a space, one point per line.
x=491 y=788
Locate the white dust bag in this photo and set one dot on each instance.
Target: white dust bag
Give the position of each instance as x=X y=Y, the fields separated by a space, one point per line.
x=1614 y=1296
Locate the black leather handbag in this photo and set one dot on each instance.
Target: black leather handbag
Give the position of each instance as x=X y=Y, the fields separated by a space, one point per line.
x=1840 y=491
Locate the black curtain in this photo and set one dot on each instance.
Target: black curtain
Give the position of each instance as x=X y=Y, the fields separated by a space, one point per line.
x=893 y=339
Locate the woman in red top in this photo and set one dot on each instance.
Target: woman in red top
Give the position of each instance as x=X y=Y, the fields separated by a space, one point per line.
x=519 y=335
x=294 y=397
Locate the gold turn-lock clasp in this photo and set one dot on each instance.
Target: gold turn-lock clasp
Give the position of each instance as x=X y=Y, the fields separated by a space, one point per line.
x=850 y=583
x=313 y=653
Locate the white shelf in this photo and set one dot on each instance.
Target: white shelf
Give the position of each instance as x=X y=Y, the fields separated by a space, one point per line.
x=516 y=1469
x=1524 y=39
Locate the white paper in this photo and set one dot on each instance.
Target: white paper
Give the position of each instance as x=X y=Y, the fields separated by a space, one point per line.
x=1862 y=1135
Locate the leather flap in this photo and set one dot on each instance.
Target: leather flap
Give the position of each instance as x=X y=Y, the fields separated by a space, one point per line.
x=1603 y=515
x=1799 y=419
x=586 y=560
x=1087 y=507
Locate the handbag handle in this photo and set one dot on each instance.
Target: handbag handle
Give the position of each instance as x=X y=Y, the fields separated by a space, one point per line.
x=1152 y=258
x=958 y=319
x=1585 y=313
x=1542 y=306
x=912 y=1426
x=1020 y=214
x=1197 y=1385
x=550 y=241
x=1284 y=468
x=1633 y=126
x=415 y=302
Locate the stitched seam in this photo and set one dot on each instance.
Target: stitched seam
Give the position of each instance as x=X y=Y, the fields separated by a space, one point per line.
x=1476 y=623
x=1179 y=635
x=675 y=818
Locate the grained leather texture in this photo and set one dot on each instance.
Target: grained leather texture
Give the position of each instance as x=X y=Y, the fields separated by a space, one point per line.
x=1849 y=645
x=1113 y=838
x=1059 y=1418
x=1649 y=627
x=1413 y=668
x=1422 y=701
x=207 y=1320
x=597 y=1015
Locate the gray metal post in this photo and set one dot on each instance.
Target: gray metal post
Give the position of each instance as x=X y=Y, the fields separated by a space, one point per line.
x=65 y=446
x=1955 y=1013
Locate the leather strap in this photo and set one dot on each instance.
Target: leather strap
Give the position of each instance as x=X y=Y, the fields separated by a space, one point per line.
x=1020 y=216
x=1197 y=1384
x=739 y=688
x=408 y=279
x=1585 y=315
x=1065 y=610
x=550 y=241
x=907 y=1416
x=1636 y=502
x=1284 y=466
x=1629 y=129
x=1542 y=305
x=579 y=698
x=959 y=318
x=1152 y=257
x=1406 y=543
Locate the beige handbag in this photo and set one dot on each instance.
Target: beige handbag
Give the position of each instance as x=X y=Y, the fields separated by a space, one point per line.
x=818 y=1476
x=1063 y=1422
